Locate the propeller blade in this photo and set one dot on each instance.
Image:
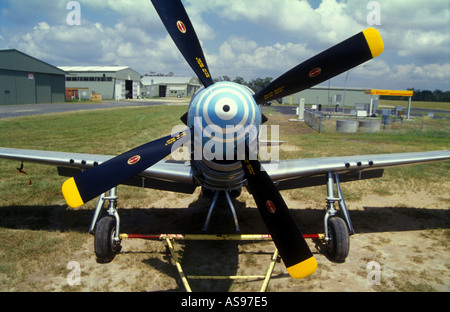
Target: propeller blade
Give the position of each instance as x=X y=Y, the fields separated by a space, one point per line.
x=282 y=227
x=97 y=180
x=179 y=26
x=332 y=62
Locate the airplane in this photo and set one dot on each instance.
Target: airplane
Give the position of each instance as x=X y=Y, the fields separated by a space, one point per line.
x=223 y=124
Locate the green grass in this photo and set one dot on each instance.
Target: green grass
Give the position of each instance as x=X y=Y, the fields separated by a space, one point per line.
x=99 y=130
x=113 y=131
x=417 y=104
x=398 y=138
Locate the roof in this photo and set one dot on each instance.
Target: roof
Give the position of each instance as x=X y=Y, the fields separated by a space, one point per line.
x=12 y=59
x=149 y=80
x=113 y=68
x=336 y=88
x=120 y=72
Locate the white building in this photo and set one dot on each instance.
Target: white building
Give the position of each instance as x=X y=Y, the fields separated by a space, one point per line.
x=165 y=86
x=331 y=96
x=112 y=82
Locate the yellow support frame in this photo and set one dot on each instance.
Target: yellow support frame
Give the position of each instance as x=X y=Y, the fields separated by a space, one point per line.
x=170 y=238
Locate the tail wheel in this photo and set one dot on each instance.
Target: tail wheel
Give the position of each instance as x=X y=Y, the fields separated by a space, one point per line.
x=105 y=246
x=338 y=245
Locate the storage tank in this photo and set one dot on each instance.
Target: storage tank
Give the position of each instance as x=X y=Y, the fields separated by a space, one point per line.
x=346 y=126
x=369 y=125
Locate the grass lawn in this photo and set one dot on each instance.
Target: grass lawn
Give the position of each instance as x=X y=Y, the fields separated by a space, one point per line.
x=417 y=104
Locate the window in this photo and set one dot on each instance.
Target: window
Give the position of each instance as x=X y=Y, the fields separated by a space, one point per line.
x=89 y=79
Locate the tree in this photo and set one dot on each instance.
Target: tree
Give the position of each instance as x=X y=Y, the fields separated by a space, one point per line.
x=259 y=83
x=423 y=95
x=239 y=80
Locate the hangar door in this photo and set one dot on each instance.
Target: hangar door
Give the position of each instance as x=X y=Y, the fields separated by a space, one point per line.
x=128 y=89
x=16 y=88
x=162 y=91
x=43 y=88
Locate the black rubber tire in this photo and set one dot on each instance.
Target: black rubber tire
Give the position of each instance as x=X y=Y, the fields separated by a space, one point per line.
x=339 y=244
x=105 y=247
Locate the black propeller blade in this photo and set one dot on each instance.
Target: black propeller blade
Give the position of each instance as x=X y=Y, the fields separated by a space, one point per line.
x=282 y=227
x=178 y=24
x=97 y=180
x=332 y=62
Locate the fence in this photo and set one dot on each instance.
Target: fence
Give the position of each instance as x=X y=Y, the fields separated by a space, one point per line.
x=314 y=119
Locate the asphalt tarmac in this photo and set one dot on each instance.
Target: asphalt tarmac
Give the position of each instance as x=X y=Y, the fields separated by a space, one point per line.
x=35 y=109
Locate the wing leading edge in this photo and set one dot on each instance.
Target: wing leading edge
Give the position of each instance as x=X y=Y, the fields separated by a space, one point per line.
x=177 y=176
x=167 y=175
x=297 y=173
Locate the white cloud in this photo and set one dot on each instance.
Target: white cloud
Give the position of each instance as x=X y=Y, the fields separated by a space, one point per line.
x=283 y=33
x=328 y=23
x=426 y=72
x=96 y=44
x=240 y=55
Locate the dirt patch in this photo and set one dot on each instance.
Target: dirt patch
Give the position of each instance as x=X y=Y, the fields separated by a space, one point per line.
x=288 y=127
x=404 y=246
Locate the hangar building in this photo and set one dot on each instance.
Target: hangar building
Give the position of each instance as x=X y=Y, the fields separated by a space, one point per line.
x=166 y=86
x=27 y=80
x=112 y=82
x=331 y=96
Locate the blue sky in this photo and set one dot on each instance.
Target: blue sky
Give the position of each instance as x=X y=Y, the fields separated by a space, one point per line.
x=247 y=38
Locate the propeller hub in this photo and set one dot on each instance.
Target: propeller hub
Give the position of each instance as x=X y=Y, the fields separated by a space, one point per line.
x=224 y=117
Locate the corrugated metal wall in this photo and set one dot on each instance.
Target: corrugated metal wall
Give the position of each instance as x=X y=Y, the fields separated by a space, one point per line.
x=26 y=80
x=30 y=88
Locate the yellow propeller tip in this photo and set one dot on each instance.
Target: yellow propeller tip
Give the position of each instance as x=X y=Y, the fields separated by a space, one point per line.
x=71 y=193
x=374 y=41
x=303 y=269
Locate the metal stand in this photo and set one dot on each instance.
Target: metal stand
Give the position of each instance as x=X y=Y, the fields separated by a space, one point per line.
x=169 y=239
x=331 y=200
x=213 y=204
x=185 y=278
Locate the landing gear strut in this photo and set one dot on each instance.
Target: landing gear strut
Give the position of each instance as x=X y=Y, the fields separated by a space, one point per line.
x=106 y=231
x=337 y=230
x=230 y=204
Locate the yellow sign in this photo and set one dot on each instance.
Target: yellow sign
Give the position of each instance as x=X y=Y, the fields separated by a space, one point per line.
x=96 y=97
x=390 y=92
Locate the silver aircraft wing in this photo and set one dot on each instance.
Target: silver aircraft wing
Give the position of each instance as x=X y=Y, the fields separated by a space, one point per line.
x=166 y=175
x=177 y=176
x=298 y=173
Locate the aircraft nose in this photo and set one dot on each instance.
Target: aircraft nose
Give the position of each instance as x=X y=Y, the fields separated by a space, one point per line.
x=222 y=105
x=223 y=115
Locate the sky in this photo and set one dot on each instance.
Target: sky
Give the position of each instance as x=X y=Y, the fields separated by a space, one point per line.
x=245 y=38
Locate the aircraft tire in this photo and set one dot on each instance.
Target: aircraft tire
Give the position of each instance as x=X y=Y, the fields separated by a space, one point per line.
x=105 y=246
x=339 y=244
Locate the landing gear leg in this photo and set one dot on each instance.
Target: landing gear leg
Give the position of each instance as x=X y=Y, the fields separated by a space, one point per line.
x=106 y=241
x=337 y=230
x=213 y=204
